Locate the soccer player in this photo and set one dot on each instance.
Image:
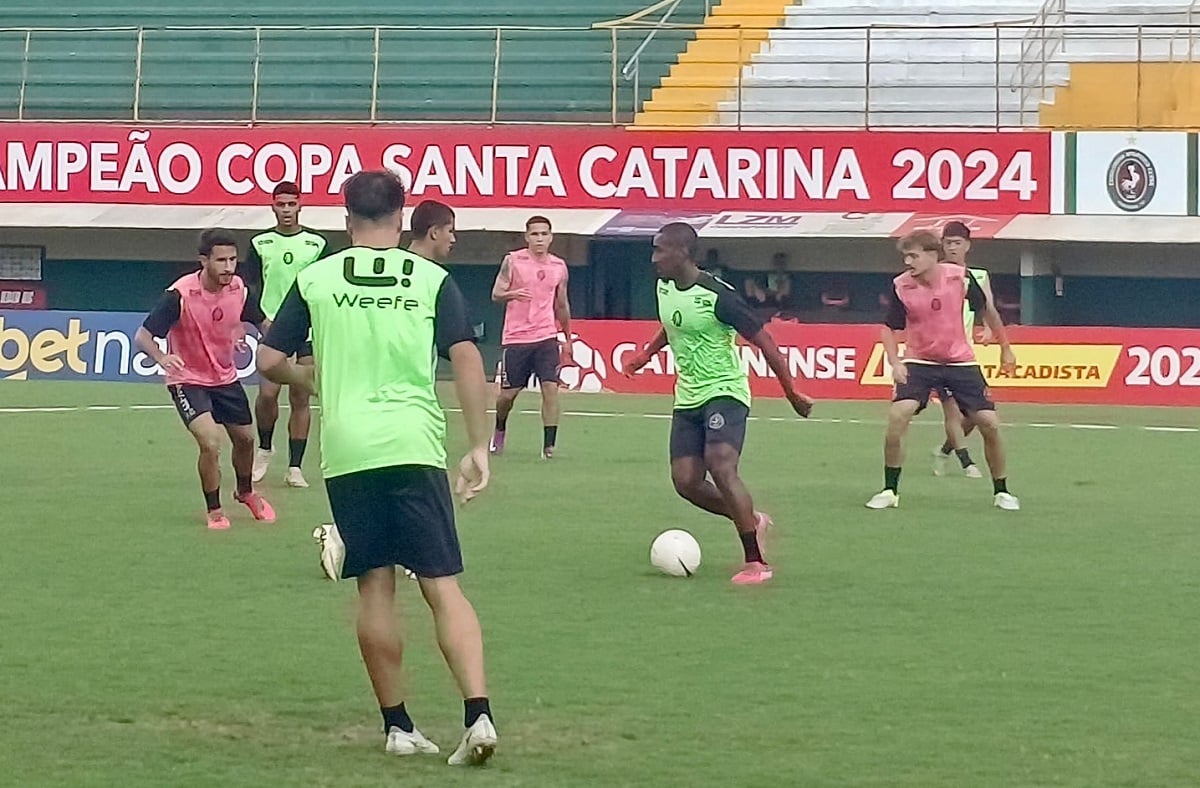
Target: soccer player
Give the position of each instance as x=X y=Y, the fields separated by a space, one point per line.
x=275 y=258
x=956 y=243
x=432 y=231
x=201 y=317
x=927 y=304
x=532 y=284
x=376 y=312
x=701 y=316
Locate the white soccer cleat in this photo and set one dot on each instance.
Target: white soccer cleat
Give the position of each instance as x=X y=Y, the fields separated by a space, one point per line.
x=972 y=472
x=1007 y=502
x=940 y=462
x=333 y=550
x=262 y=460
x=477 y=745
x=295 y=478
x=400 y=742
x=888 y=499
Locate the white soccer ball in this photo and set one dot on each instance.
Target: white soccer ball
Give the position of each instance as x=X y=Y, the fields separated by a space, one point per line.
x=676 y=553
x=589 y=371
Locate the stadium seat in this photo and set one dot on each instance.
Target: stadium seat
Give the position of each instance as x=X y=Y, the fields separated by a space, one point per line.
x=433 y=72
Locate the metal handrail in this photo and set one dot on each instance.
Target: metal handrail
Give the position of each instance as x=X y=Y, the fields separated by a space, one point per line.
x=1022 y=69
x=1029 y=42
x=632 y=70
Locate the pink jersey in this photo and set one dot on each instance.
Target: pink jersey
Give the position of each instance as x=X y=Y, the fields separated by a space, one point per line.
x=934 y=331
x=526 y=322
x=209 y=327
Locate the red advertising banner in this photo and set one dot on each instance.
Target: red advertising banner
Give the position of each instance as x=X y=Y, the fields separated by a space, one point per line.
x=989 y=173
x=1111 y=366
x=16 y=294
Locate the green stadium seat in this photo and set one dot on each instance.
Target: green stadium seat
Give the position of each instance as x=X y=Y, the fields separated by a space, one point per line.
x=424 y=74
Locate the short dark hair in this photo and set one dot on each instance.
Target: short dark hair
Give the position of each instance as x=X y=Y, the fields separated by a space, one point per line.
x=532 y=220
x=922 y=240
x=956 y=230
x=682 y=234
x=215 y=236
x=286 y=187
x=373 y=194
x=430 y=214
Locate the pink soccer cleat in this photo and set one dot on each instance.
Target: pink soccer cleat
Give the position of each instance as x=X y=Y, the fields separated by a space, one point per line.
x=258 y=506
x=217 y=521
x=497 y=446
x=752 y=574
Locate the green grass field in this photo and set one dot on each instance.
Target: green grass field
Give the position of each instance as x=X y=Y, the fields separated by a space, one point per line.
x=942 y=644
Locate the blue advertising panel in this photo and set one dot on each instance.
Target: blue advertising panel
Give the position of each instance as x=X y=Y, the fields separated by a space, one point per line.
x=48 y=345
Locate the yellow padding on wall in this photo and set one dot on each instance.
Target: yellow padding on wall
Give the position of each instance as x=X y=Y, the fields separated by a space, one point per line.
x=1126 y=95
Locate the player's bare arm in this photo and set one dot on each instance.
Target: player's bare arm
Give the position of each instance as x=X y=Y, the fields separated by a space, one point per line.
x=145 y=343
x=274 y=366
x=891 y=349
x=643 y=356
x=995 y=324
x=470 y=383
x=801 y=403
x=562 y=315
x=502 y=291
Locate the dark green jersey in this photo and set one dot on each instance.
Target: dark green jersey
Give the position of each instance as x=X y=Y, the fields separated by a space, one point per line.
x=379 y=319
x=702 y=323
x=274 y=260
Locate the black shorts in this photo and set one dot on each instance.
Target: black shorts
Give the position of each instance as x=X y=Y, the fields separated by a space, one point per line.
x=305 y=350
x=401 y=515
x=227 y=404
x=965 y=384
x=519 y=362
x=720 y=420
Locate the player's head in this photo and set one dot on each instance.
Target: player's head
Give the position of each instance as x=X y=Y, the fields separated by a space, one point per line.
x=374 y=205
x=285 y=204
x=539 y=234
x=675 y=247
x=956 y=242
x=433 y=229
x=218 y=253
x=922 y=251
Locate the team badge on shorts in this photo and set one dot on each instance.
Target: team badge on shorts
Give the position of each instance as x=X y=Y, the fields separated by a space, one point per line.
x=716 y=421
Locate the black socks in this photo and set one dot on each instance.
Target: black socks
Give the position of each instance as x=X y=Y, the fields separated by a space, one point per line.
x=891 y=479
x=296 y=447
x=473 y=709
x=396 y=717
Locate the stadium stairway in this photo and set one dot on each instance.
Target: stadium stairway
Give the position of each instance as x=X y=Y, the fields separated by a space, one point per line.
x=935 y=63
x=707 y=71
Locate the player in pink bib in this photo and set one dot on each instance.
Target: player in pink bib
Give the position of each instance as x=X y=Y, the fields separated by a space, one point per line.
x=927 y=305
x=532 y=284
x=201 y=315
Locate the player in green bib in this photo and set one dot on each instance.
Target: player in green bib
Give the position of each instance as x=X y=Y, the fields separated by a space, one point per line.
x=276 y=257
x=701 y=318
x=380 y=317
x=956 y=243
